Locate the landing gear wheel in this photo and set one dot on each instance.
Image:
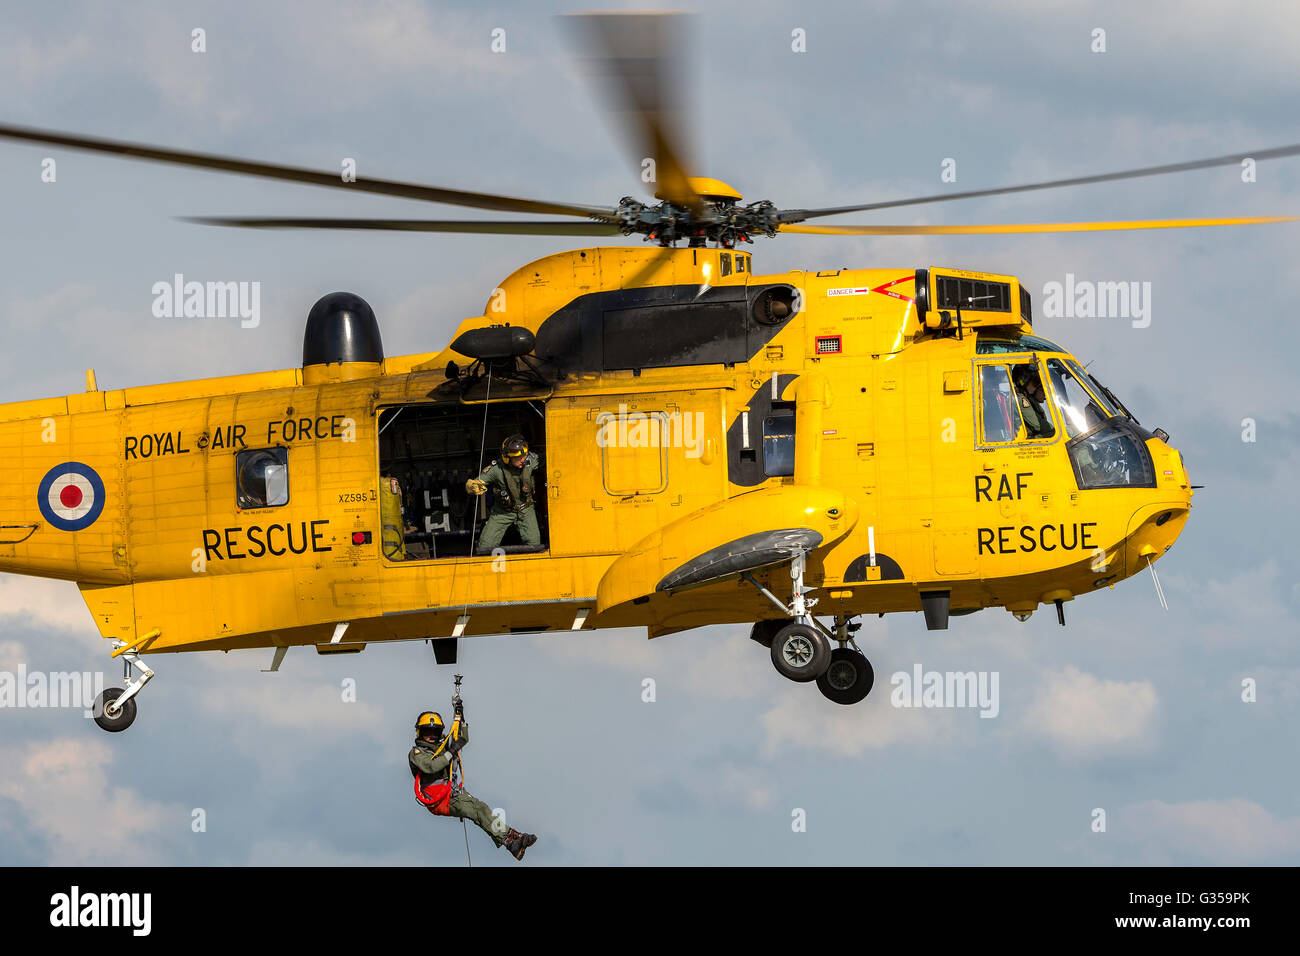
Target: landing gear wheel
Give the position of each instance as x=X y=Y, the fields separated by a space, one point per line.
x=118 y=722
x=849 y=679
x=800 y=653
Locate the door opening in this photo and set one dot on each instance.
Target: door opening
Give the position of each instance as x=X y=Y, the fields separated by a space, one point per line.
x=427 y=453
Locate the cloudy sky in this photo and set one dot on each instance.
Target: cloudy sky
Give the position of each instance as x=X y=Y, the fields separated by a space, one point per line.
x=1132 y=709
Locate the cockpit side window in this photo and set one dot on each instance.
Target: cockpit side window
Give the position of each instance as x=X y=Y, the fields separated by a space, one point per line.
x=1000 y=410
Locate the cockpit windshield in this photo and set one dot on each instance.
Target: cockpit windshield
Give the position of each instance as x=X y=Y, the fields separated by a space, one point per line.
x=1105 y=448
x=1102 y=390
x=1080 y=409
x=1002 y=342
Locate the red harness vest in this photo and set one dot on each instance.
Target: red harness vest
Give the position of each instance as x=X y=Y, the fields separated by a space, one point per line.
x=436 y=797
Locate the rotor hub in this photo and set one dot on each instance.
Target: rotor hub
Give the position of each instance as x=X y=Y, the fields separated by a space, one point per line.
x=720 y=220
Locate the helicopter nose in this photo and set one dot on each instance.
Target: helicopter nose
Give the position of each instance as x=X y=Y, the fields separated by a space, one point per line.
x=1154 y=527
x=1152 y=531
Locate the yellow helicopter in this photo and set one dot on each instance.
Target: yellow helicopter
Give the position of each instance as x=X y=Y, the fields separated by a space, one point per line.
x=710 y=444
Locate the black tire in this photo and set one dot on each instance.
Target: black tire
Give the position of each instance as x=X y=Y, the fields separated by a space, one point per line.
x=118 y=723
x=800 y=653
x=848 y=679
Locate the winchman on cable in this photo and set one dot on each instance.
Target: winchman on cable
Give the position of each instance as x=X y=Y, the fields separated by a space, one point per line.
x=435 y=765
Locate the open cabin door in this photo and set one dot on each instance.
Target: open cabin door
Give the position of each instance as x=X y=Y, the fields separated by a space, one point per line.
x=427 y=452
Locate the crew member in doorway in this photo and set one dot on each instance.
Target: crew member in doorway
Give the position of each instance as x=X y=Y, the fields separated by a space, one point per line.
x=433 y=760
x=513 y=502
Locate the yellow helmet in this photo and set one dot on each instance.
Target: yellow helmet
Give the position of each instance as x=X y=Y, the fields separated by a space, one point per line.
x=429 y=722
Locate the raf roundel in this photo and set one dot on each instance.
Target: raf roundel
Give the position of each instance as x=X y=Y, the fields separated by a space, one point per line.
x=71 y=496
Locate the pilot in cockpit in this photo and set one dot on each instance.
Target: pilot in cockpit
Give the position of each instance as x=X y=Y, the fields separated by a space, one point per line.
x=1032 y=401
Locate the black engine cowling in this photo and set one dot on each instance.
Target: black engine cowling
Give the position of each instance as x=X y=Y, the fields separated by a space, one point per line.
x=341 y=327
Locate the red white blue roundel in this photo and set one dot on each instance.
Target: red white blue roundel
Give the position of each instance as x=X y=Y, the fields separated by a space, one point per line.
x=71 y=496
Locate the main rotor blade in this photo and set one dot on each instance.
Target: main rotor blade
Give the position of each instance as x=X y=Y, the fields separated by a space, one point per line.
x=1031 y=227
x=483 y=226
x=246 y=167
x=799 y=215
x=635 y=60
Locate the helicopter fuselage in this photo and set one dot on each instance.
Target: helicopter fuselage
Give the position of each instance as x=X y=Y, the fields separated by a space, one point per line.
x=696 y=424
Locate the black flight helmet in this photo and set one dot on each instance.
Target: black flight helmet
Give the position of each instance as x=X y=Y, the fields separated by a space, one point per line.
x=1026 y=376
x=514 y=450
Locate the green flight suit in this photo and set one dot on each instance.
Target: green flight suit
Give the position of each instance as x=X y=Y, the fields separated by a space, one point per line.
x=513 y=504
x=1037 y=424
x=435 y=769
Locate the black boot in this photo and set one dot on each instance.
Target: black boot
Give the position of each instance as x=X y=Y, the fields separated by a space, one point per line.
x=517 y=843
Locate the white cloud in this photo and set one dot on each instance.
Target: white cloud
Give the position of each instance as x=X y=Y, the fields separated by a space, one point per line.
x=718 y=663
x=727 y=785
x=12 y=653
x=48 y=603
x=277 y=852
x=803 y=720
x=67 y=797
x=41 y=60
x=1249 y=599
x=1230 y=831
x=276 y=702
x=1088 y=716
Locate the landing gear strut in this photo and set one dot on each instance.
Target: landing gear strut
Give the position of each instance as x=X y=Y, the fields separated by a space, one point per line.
x=800 y=650
x=115 y=707
x=801 y=645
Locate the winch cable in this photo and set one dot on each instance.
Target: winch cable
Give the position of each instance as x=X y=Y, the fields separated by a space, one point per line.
x=457 y=764
x=473 y=530
x=457 y=772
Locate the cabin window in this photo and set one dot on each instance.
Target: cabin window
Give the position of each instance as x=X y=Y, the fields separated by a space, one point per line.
x=778 y=441
x=740 y=263
x=1000 y=411
x=725 y=264
x=262 y=478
